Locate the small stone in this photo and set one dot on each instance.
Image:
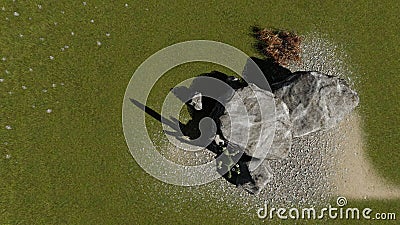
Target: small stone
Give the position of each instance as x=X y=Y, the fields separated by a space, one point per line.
x=8 y=156
x=51 y=57
x=24 y=87
x=16 y=14
x=98 y=43
x=8 y=127
x=1 y=80
x=49 y=110
x=84 y=3
x=72 y=33
x=39 y=6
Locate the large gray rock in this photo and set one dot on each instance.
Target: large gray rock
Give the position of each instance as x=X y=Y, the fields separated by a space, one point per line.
x=262 y=124
x=282 y=142
x=316 y=101
x=251 y=121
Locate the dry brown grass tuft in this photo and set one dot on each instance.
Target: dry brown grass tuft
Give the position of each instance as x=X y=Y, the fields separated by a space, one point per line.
x=281 y=46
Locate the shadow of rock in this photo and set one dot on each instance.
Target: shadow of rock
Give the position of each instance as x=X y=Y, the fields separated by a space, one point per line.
x=273 y=72
x=232 y=162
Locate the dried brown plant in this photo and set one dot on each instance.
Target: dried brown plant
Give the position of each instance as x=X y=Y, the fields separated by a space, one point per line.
x=281 y=46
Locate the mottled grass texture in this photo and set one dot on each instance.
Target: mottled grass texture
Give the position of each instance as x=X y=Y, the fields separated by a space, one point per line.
x=70 y=164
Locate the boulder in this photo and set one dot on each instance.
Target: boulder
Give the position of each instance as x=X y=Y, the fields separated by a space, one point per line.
x=261 y=124
x=315 y=101
x=251 y=122
x=282 y=142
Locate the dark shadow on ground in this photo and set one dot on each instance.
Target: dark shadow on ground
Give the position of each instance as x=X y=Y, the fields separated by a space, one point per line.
x=173 y=123
x=226 y=153
x=273 y=72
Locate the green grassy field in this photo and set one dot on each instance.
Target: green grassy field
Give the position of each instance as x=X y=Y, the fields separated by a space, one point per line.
x=72 y=165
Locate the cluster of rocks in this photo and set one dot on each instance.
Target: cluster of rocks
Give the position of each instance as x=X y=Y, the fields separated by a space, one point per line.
x=256 y=125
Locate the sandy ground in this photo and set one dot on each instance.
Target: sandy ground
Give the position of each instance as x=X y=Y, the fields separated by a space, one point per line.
x=356 y=177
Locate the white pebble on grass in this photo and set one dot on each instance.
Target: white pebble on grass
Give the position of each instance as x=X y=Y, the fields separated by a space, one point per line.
x=8 y=156
x=72 y=33
x=108 y=34
x=51 y=57
x=16 y=14
x=39 y=6
x=8 y=127
x=24 y=87
x=2 y=8
x=4 y=58
x=1 y=80
x=84 y=3
x=126 y=5
x=44 y=90
x=92 y=20
x=30 y=69
x=54 y=85
x=98 y=43
x=7 y=72
x=49 y=110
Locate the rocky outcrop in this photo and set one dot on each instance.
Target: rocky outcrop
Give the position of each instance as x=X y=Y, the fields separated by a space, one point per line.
x=305 y=102
x=260 y=124
x=315 y=101
x=251 y=121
